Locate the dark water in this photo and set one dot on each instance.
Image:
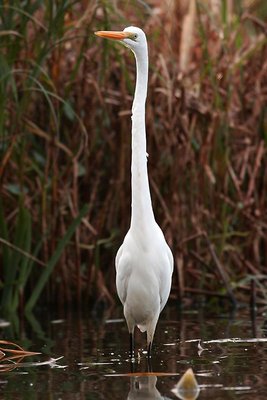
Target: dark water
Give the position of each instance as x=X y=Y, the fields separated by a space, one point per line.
x=228 y=354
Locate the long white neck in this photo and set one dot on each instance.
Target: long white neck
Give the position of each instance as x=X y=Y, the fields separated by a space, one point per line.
x=142 y=212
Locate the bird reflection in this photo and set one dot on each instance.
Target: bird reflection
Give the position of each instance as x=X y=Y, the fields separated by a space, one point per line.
x=144 y=388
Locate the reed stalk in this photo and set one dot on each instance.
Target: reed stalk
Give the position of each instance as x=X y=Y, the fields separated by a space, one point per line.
x=65 y=102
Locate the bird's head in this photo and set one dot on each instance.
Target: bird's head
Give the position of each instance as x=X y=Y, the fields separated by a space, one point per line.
x=131 y=37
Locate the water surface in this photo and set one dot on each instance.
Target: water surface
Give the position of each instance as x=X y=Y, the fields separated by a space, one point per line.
x=86 y=357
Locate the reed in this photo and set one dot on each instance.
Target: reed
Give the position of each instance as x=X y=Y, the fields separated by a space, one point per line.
x=65 y=103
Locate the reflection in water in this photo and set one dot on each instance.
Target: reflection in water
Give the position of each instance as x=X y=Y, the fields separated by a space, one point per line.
x=229 y=359
x=144 y=388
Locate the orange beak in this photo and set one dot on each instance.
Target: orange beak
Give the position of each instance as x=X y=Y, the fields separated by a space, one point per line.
x=113 y=35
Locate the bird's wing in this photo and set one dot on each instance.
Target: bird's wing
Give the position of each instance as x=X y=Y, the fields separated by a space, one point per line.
x=170 y=257
x=166 y=278
x=123 y=272
x=118 y=256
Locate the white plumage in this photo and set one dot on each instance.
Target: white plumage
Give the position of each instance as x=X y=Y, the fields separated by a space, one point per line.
x=144 y=262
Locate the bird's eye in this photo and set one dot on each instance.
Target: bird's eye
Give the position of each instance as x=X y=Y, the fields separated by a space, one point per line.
x=134 y=37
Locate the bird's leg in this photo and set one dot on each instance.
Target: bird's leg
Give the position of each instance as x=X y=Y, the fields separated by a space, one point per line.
x=132 y=366
x=149 y=364
x=149 y=348
x=131 y=345
x=132 y=352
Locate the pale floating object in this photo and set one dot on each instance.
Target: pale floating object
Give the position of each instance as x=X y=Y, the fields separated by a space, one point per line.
x=187 y=388
x=57 y=321
x=4 y=323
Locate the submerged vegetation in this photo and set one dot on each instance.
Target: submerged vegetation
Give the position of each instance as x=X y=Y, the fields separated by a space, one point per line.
x=65 y=105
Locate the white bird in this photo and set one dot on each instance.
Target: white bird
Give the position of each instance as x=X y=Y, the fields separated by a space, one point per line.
x=144 y=262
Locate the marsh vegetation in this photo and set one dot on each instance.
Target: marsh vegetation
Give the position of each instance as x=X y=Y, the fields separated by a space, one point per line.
x=65 y=101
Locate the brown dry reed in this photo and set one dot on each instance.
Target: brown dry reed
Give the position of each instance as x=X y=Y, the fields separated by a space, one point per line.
x=65 y=105
x=11 y=355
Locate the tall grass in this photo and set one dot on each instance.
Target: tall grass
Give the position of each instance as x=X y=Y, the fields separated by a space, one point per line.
x=65 y=101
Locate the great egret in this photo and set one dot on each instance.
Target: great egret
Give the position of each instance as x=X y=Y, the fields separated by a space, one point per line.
x=144 y=262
